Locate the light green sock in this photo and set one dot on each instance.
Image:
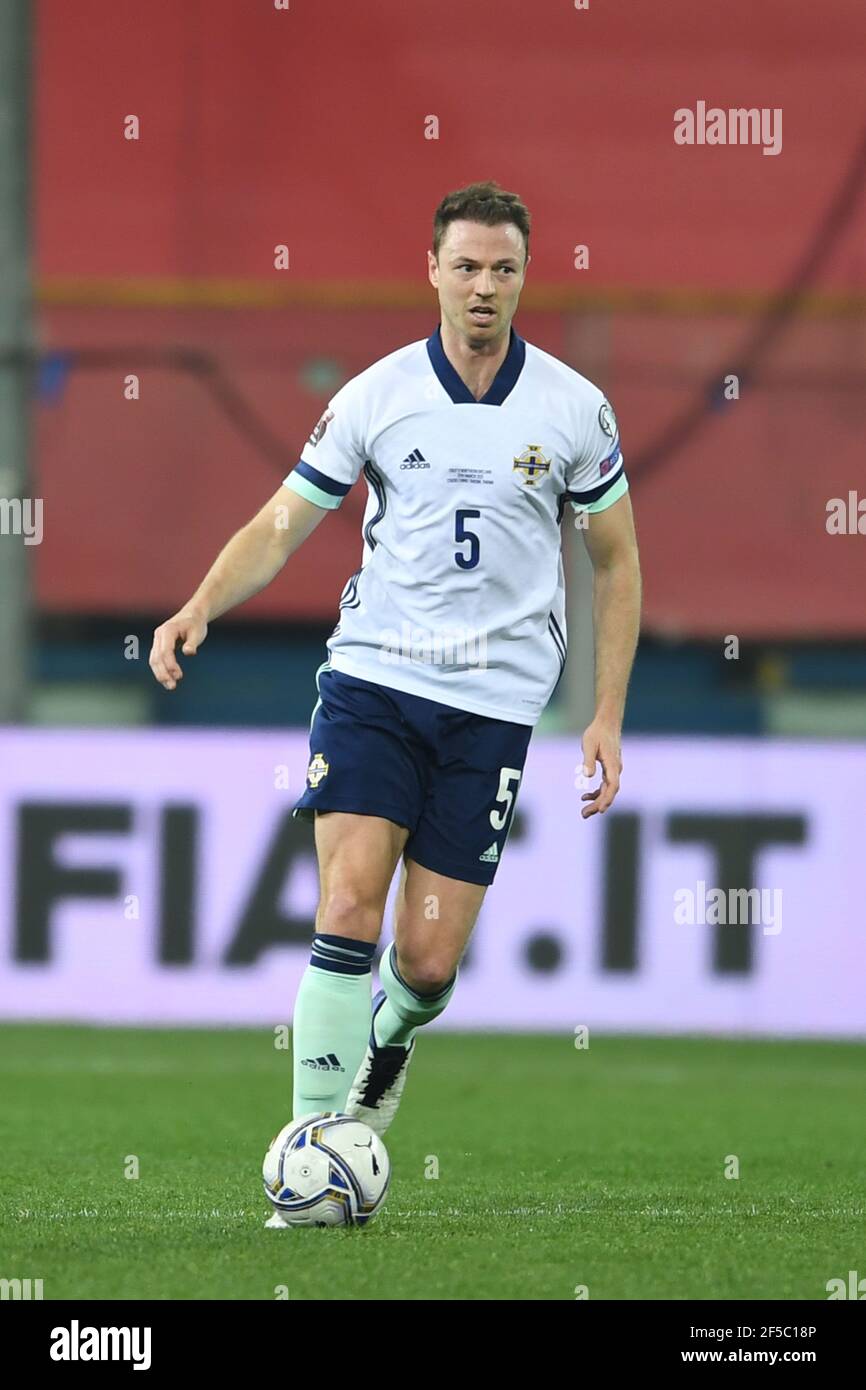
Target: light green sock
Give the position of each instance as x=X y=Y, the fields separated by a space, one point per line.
x=404 y=1010
x=331 y=1024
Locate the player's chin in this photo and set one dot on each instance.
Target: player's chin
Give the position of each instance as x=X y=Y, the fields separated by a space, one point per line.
x=478 y=334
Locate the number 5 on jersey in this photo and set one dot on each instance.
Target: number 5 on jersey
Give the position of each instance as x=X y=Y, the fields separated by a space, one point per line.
x=461 y=535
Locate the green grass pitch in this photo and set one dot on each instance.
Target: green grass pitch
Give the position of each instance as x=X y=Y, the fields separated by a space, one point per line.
x=557 y=1168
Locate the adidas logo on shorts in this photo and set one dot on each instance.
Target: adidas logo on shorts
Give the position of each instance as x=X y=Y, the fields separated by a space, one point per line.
x=490 y=856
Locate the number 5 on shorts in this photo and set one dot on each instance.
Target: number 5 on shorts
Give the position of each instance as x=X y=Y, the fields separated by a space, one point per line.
x=507 y=775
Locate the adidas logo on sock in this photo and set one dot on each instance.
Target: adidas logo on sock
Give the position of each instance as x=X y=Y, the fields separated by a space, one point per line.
x=329 y=1063
x=490 y=856
x=415 y=460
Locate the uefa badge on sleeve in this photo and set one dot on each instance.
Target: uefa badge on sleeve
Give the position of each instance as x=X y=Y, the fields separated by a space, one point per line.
x=323 y=424
x=607 y=420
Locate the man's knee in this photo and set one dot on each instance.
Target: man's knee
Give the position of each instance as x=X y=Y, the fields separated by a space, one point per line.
x=426 y=970
x=349 y=911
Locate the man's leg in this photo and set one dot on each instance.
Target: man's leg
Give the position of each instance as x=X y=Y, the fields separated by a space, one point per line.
x=357 y=856
x=434 y=921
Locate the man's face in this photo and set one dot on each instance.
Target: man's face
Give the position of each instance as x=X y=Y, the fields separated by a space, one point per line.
x=479 y=269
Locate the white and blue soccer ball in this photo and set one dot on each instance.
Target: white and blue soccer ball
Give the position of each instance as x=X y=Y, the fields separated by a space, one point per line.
x=326 y=1170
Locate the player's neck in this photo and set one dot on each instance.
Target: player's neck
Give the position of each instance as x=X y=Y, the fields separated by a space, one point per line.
x=477 y=367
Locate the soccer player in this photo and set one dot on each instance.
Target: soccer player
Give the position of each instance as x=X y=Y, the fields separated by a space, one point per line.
x=450 y=641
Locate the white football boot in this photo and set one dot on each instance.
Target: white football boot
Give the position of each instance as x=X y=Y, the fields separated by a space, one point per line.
x=378 y=1086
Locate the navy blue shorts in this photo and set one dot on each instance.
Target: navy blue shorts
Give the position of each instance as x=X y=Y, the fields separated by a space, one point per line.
x=449 y=777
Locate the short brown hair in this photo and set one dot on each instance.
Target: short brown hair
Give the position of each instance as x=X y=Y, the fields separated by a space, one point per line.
x=480 y=202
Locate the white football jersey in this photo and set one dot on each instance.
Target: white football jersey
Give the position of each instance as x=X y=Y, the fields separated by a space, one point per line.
x=460 y=595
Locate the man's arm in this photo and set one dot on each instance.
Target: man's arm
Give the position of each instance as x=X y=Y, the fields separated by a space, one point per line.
x=616 y=597
x=252 y=558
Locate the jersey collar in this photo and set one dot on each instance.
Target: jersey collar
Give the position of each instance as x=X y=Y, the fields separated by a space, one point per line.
x=500 y=387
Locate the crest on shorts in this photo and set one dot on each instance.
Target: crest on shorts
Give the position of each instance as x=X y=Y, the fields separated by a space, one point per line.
x=317 y=770
x=532 y=464
x=323 y=424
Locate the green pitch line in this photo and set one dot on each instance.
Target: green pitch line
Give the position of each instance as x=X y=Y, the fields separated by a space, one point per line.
x=557 y=1168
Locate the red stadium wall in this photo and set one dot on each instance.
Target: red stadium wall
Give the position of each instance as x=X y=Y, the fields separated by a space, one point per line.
x=305 y=126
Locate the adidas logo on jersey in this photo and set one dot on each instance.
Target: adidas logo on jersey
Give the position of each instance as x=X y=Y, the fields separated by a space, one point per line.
x=490 y=856
x=329 y=1063
x=415 y=460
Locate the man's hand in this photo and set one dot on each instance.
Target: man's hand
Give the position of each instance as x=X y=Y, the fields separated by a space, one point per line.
x=601 y=742
x=251 y=559
x=187 y=627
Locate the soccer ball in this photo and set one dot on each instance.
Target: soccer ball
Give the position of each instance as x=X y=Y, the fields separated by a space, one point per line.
x=326 y=1170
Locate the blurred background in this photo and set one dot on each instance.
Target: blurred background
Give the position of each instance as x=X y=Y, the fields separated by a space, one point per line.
x=160 y=372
